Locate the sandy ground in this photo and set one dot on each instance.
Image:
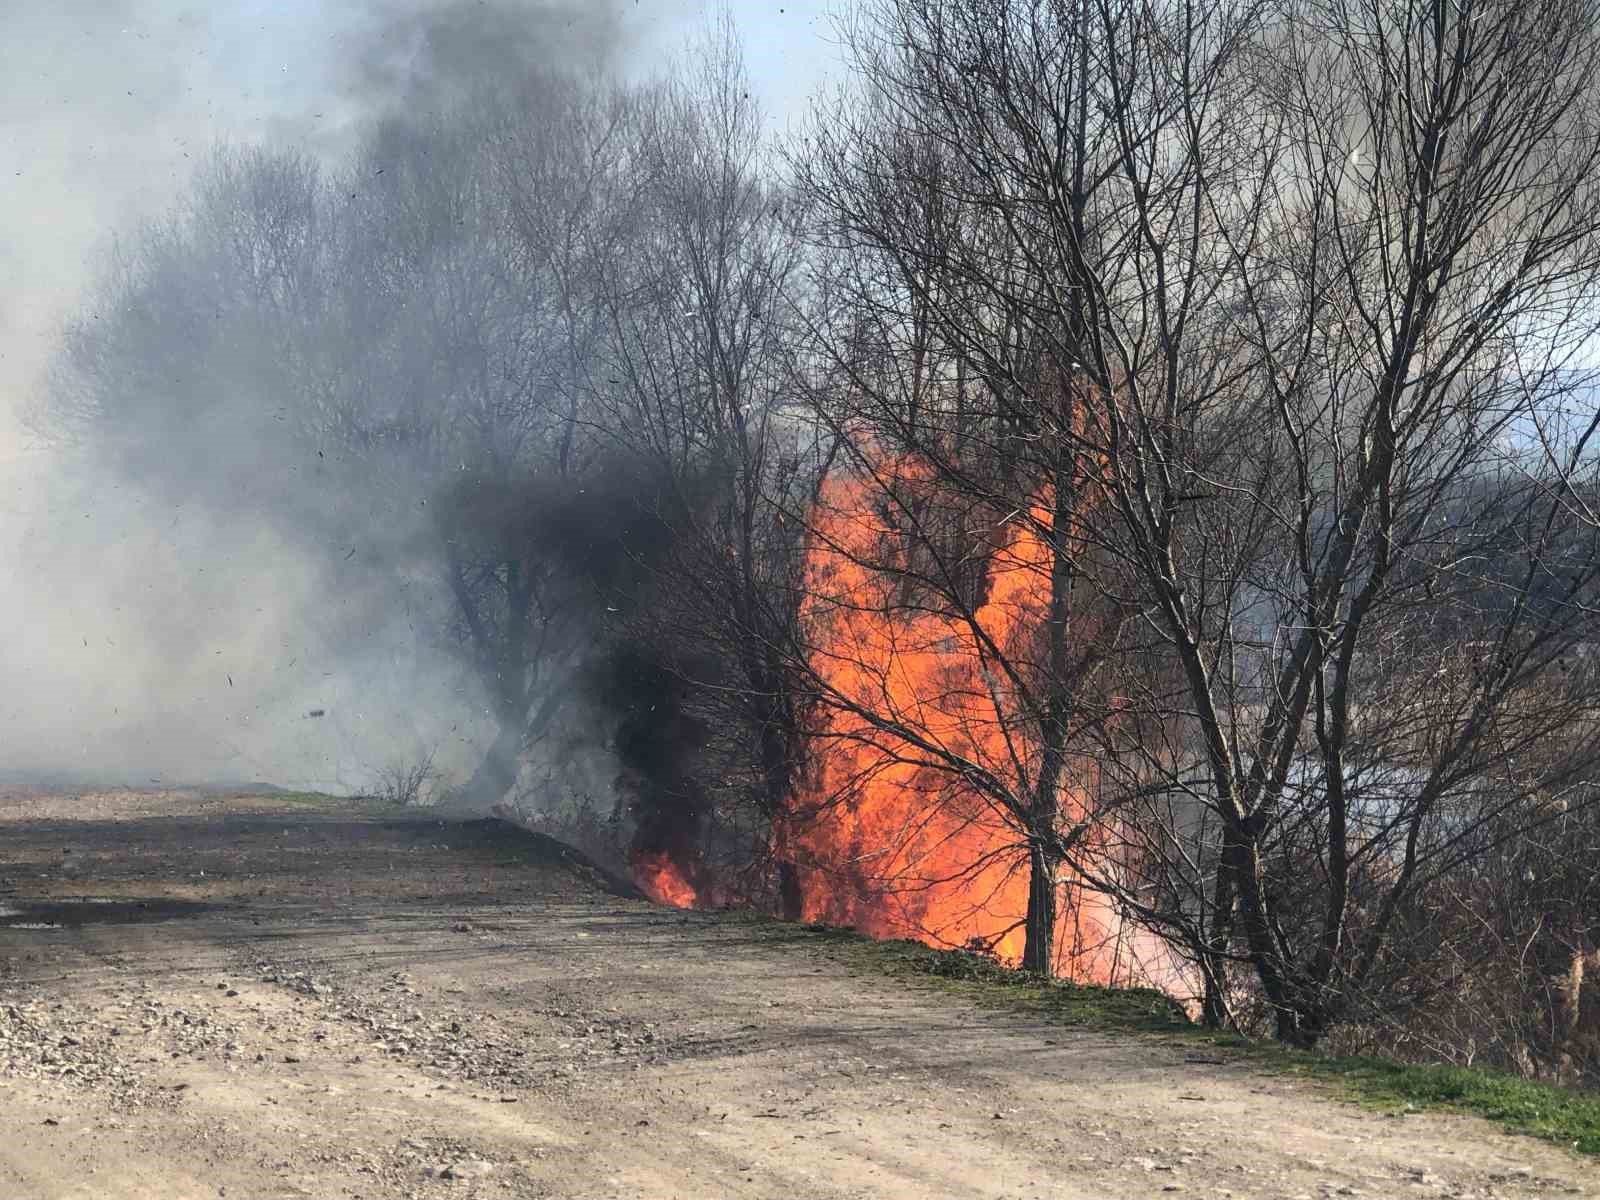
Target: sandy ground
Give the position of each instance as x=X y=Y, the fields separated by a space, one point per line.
x=225 y=997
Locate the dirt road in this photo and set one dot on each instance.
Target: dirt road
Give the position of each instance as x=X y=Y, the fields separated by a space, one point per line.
x=244 y=997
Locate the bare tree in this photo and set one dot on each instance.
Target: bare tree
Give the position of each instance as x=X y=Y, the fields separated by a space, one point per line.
x=959 y=196
x=1368 y=590
x=1309 y=273
x=696 y=360
x=406 y=783
x=400 y=365
x=447 y=372
x=1505 y=953
x=184 y=331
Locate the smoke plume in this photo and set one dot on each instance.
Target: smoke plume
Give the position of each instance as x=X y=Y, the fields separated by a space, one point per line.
x=218 y=625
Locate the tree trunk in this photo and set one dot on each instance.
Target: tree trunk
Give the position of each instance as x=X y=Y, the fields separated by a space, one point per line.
x=1300 y=1017
x=791 y=899
x=776 y=771
x=1574 y=1041
x=1213 y=1004
x=1044 y=860
x=1214 y=950
x=1038 y=950
x=776 y=741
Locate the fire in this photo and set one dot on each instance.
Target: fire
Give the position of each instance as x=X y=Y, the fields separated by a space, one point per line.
x=888 y=834
x=888 y=837
x=663 y=880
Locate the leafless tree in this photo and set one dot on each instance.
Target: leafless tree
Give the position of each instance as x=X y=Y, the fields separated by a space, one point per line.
x=183 y=331
x=957 y=341
x=386 y=357
x=697 y=352
x=1506 y=952
x=450 y=371
x=406 y=783
x=1367 y=584
x=1310 y=272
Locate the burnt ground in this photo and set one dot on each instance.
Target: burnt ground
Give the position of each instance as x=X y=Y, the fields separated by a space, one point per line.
x=212 y=996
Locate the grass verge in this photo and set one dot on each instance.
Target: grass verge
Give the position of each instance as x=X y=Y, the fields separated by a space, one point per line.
x=321 y=801
x=324 y=802
x=1524 y=1106
x=1540 y=1110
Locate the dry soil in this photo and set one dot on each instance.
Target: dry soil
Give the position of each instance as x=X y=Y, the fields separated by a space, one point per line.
x=220 y=996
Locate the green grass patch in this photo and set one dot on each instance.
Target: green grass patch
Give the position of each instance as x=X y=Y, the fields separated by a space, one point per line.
x=1525 y=1106
x=322 y=802
x=983 y=981
x=1568 y=1118
x=316 y=801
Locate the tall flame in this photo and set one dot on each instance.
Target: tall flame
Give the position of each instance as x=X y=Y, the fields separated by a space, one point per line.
x=888 y=834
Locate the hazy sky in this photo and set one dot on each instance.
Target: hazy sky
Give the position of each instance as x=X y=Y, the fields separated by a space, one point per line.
x=103 y=103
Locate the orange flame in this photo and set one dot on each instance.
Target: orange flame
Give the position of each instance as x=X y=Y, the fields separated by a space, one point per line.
x=885 y=836
x=889 y=837
x=663 y=880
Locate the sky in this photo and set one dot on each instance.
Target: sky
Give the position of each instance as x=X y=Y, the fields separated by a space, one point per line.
x=168 y=639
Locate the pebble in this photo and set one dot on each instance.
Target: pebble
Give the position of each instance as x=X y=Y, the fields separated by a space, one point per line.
x=472 y=1168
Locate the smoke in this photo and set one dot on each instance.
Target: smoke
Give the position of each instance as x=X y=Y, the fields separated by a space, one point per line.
x=205 y=629
x=658 y=741
x=425 y=61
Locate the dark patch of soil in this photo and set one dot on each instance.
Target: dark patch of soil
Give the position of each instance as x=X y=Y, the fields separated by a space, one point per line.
x=97 y=910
